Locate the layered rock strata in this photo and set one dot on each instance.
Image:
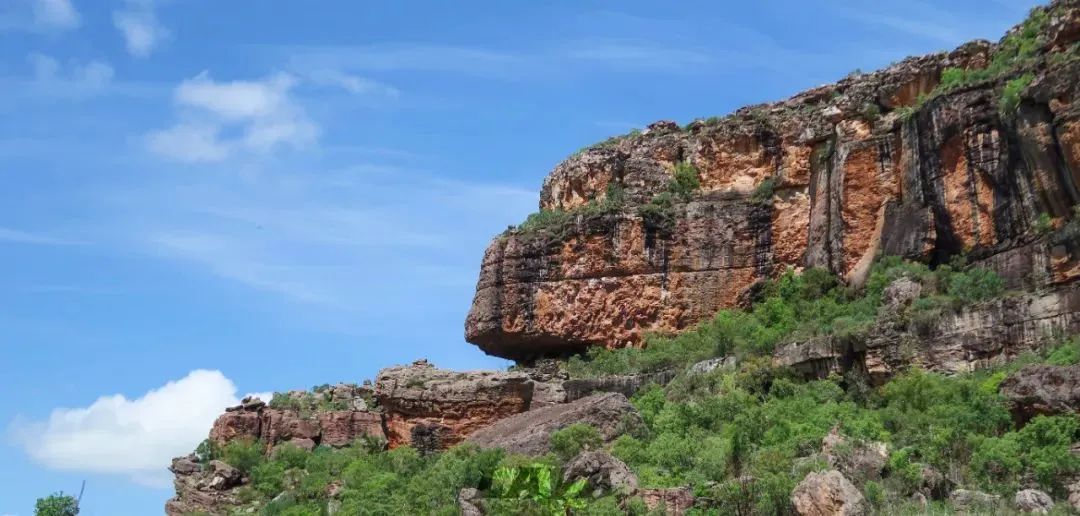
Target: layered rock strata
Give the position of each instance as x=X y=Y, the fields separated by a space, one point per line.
x=831 y=178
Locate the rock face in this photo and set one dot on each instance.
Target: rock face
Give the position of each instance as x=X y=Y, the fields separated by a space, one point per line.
x=273 y=426
x=965 y=500
x=202 y=490
x=1042 y=389
x=441 y=407
x=603 y=472
x=529 y=433
x=841 y=174
x=855 y=460
x=973 y=338
x=827 y=494
x=1033 y=501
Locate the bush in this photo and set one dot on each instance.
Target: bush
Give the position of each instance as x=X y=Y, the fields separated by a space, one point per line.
x=56 y=504
x=1010 y=96
x=243 y=454
x=1066 y=354
x=574 y=439
x=686 y=180
x=764 y=191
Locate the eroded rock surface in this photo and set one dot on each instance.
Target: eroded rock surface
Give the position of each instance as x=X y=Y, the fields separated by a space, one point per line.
x=441 y=406
x=529 y=433
x=1042 y=389
x=827 y=494
x=851 y=176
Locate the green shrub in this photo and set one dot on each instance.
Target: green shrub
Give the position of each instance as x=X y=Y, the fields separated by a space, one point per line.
x=56 y=504
x=574 y=439
x=1010 y=95
x=1044 y=224
x=1068 y=353
x=243 y=454
x=764 y=191
x=537 y=485
x=686 y=180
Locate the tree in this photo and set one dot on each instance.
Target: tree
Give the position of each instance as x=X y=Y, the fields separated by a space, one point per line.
x=57 y=504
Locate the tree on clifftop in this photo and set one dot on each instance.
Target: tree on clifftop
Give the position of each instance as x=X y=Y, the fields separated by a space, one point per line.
x=57 y=504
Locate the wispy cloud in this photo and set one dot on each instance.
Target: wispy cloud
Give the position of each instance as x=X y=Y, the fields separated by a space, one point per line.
x=89 y=77
x=137 y=22
x=262 y=111
x=638 y=54
x=404 y=57
x=38 y=15
x=15 y=236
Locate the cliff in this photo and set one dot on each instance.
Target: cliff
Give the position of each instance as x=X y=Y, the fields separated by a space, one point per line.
x=974 y=151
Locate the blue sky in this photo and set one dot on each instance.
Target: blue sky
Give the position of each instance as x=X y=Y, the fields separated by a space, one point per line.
x=204 y=199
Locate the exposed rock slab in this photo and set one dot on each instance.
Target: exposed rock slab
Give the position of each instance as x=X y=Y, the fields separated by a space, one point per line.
x=1042 y=389
x=851 y=179
x=529 y=433
x=442 y=407
x=827 y=494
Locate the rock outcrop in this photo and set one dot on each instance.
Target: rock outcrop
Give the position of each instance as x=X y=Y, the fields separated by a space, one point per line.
x=529 y=433
x=829 y=178
x=441 y=407
x=972 y=338
x=603 y=473
x=827 y=494
x=1033 y=501
x=302 y=427
x=1042 y=389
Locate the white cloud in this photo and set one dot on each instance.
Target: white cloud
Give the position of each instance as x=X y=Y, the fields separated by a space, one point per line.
x=134 y=437
x=38 y=15
x=138 y=22
x=75 y=77
x=352 y=83
x=262 y=112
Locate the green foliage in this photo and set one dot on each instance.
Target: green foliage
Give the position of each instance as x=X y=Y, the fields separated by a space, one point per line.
x=207 y=451
x=1044 y=224
x=574 y=439
x=243 y=454
x=685 y=180
x=306 y=403
x=56 y=504
x=1038 y=452
x=1066 y=354
x=545 y=220
x=1010 y=95
x=764 y=191
x=538 y=485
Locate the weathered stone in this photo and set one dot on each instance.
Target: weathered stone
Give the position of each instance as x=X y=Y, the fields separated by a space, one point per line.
x=603 y=472
x=457 y=403
x=1033 y=501
x=850 y=179
x=860 y=461
x=901 y=293
x=675 y=501
x=529 y=433
x=469 y=502
x=827 y=494
x=342 y=428
x=966 y=500
x=627 y=385
x=712 y=364
x=1042 y=389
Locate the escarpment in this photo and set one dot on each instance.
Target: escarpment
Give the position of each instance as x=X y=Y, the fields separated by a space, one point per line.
x=892 y=162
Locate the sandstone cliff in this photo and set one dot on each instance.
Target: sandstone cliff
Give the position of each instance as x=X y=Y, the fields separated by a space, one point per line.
x=890 y=162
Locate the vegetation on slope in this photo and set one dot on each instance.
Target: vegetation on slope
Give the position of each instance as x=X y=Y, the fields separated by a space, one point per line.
x=741 y=438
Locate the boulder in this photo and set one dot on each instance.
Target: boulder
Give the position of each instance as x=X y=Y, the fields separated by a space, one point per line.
x=469 y=502
x=1033 y=501
x=675 y=501
x=901 y=293
x=603 y=472
x=223 y=476
x=1042 y=389
x=342 y=428
x=856 y=460
x=827 y=494
x=458 y=402
x=712 y=364
x=627 y=385
x=529 y=433
x=966 y=500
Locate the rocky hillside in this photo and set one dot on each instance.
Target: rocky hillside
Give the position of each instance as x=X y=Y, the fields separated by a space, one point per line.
x=974 y=151
x=860 y=300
